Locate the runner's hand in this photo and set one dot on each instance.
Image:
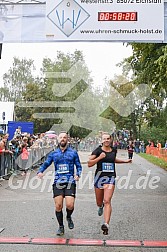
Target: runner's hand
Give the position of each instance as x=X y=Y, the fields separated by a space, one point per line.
x=40 y=175
x=76 y=178
x=102 y=155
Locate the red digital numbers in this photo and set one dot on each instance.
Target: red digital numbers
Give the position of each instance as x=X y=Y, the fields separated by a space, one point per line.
x=117 y=16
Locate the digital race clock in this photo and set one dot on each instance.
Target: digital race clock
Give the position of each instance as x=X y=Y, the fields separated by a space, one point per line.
x=117 y=16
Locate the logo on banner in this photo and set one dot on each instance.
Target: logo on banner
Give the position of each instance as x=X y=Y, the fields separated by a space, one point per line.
x=68 y=16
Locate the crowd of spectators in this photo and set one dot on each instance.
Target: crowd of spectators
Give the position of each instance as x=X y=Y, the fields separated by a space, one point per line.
x=23 y=146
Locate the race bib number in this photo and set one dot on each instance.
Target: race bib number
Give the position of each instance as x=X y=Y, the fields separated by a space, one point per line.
x=62 y=168
x=107 y=167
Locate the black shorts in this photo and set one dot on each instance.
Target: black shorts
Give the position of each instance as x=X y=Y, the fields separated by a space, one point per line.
x=65 y=189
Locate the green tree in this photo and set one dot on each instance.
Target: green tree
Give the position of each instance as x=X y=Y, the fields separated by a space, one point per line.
x=80 y=97
x=133 y=121
x=49 y=109
x=148 y=64
x=17 y=77
x=4 y=94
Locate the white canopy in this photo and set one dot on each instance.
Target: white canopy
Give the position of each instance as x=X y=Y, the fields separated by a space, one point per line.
x=6 y=108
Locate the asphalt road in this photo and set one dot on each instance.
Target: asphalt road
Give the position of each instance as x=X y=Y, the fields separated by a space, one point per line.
x=139 y=208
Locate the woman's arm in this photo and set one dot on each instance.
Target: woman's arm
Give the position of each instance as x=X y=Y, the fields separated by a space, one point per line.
x=119 y=161
x=93 y=159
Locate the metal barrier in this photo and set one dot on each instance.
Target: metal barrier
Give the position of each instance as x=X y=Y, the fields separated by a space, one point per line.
x=10 y=164
x=6 y=164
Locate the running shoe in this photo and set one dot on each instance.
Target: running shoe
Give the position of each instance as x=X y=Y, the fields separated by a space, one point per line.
x=104 y=228
x=70 y=223
x=100 y=210
x=60 y=231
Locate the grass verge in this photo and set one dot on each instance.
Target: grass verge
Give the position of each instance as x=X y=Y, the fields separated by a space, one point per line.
x=155 y=160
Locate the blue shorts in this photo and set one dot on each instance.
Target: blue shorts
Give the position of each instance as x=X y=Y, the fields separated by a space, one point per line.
x=99 y=182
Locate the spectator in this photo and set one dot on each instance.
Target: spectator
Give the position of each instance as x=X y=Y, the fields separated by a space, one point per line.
x=130 y=148
x=165 y=145
x=17 y=132
x=137 y=146
x=142 y=146
x=159 y=145
x=24 y=158
x=3 y=145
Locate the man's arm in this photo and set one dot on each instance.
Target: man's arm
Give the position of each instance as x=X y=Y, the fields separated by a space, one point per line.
x=78 y=166
x=45 y=165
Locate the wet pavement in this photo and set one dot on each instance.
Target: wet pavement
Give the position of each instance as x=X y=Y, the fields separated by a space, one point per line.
x=139 y=209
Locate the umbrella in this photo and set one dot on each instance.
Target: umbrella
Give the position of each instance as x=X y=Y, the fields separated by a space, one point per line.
x=51 y=135
x=50 y=132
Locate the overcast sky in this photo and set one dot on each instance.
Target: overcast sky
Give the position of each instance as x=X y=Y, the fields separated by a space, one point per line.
x=101 y=58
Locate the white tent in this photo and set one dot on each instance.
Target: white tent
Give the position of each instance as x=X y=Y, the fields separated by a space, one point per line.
x=6 y=109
